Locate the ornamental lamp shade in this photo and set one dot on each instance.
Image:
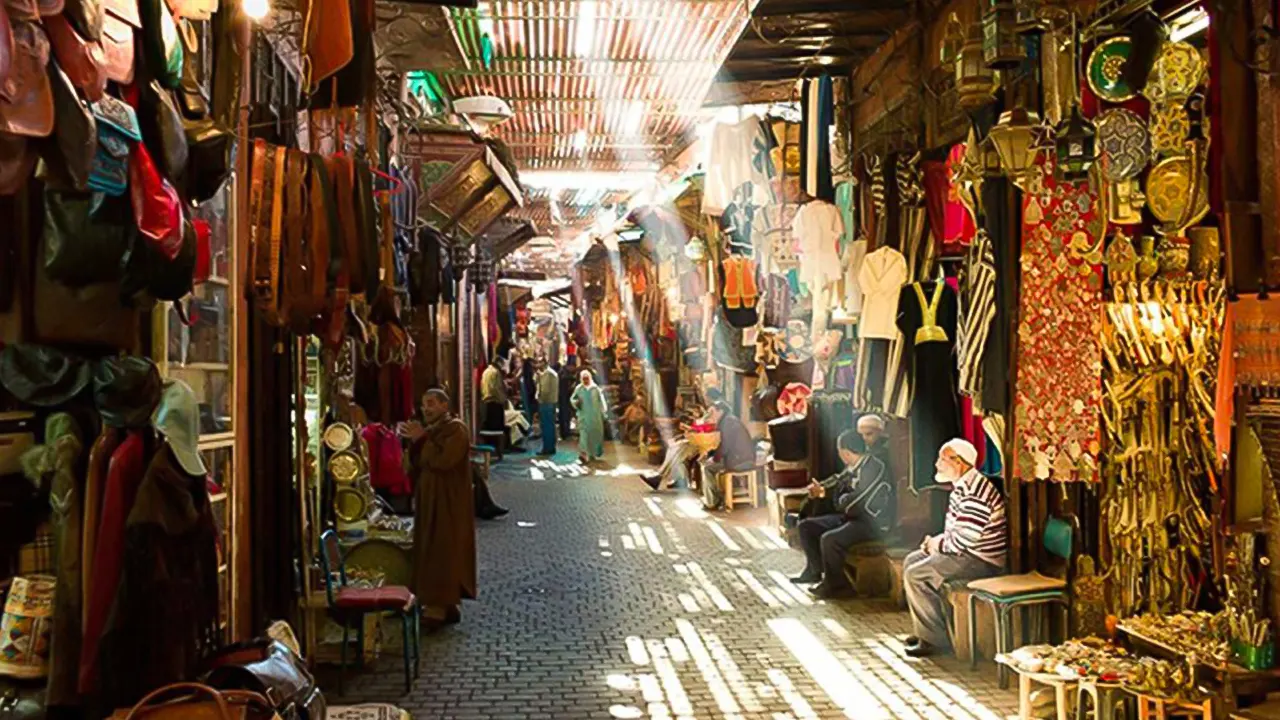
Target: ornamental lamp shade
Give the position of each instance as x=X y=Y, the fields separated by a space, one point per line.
x=975 y=82
x=1076 y=141
x=1015 y=139
x=1002 y=46
x=482 y=270
x=459 y=259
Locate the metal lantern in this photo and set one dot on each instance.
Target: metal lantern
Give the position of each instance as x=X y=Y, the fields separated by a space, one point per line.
x=1015 y=140
x=482 y=270
x=459 y=259
x=1002 y=46
x=952 y=42
x=1030 y=20
x=1076 y=141
x=975 y=82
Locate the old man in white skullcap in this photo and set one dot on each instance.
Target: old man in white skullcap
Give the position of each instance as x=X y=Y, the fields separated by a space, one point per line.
x=972 y=545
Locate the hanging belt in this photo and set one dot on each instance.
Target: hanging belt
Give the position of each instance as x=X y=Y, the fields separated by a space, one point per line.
x=929 y=330
x=295 y=209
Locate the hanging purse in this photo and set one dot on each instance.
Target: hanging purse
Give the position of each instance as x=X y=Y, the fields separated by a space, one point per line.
x=192 y=701
x=117 y=132
x=119 y=20
x=208 y=158
x=327 y=40
x=161 y=43
x=147 y=273
x=69 y=159
x=156 y=206
x=80 y=59
x=268 y=667
x=83 y=246
x=26 y=98
x=163 y=132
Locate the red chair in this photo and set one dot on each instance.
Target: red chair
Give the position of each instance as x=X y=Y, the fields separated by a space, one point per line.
x=348 y=604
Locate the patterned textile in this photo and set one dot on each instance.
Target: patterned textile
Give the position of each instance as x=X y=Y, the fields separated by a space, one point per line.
x=1059 y=357
x=976 y=313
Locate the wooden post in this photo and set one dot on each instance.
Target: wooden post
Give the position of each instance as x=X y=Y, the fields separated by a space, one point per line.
x=241 y=611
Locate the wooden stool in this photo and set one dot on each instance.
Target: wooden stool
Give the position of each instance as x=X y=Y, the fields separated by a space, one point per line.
x=897 y=592
x=482 y=454
x=496 y=439
x=1061 y=696
x=1103 y=701
x=751 y=493
x=1156 y=708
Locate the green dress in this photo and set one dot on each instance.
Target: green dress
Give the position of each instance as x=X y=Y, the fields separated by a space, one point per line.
x=590 y=404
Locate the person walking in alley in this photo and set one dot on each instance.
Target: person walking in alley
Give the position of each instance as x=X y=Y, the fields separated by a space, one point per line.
x=972 y=545
x=493 y=395
x=548 y=383
x=589 y=401
x=444 y=529
x=851 y=507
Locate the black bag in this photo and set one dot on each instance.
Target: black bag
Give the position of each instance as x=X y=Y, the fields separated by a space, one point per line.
x=68 y=157
x=208 y=158
x=147 y=271
x=82 y=245
x=271 y=669
x=163 y=131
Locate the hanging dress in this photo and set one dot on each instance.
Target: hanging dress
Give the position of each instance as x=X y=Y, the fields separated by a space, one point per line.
x=927 y=319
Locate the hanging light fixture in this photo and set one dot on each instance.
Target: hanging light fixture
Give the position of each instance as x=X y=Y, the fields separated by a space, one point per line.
x=1015 y=139
x=975 y=82
x=1002 y=47
x=482 y=270
x=459 y=259
x=952 y=42
x=1076 y=141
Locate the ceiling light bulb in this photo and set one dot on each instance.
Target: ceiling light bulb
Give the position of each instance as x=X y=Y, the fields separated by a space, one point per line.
x=584 y=39
x=255 y=9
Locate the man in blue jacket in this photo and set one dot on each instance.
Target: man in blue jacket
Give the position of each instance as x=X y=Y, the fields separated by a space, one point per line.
x=851 y=507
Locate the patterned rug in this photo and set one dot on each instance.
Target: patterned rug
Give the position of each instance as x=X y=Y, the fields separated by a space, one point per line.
x=368 y=712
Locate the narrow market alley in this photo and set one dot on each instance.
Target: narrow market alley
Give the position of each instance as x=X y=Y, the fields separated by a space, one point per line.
x=601 y=599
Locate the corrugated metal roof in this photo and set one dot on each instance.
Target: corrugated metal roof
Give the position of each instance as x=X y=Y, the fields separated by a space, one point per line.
x=580 y=108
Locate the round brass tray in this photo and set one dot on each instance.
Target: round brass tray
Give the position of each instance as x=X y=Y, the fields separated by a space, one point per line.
x=346 y=466
x=1168 y=193
x=339 y=436
x=1106 y=69
x=350 y=505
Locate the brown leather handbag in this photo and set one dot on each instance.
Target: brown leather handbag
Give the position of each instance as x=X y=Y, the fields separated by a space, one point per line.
x=269 y=668
x=26 y=98
x=327 y=42
x=193 y=701
x=17 y=161
x=120 y=18
x=69 y=159
x=6 y=45
x=80 y=59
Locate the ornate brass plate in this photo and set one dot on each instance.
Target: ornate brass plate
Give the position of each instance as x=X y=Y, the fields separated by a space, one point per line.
x=1177 y=72
x=1124 y=144
x=1106 y=70
x=1169 y=128
x=338 y=437
x=346 y=466
x=1169 y=192
x=349 y=504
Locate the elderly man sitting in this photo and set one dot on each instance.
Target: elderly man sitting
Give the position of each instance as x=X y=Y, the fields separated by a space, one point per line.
x=972 y=545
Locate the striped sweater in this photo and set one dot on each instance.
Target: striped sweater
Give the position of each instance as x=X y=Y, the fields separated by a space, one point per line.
x=976 y=520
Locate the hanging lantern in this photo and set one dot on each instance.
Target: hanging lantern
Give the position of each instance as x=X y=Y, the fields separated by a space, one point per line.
x=1015 y=140
x=1075 y=139
x=952 y=42
x=975 y=82
x=1002 y=46
x=459 y=260
x=482 y=270
x=1030 y=18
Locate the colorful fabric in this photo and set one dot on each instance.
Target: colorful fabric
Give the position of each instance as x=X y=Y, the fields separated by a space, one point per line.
x=1059 y=356
x=978 y=310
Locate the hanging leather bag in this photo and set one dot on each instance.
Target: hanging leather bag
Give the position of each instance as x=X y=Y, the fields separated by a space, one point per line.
x=118 y=131
x=163 y=131
x=148 y=273
x=69 y=159
x=26 y=96
x=82 y=245
x=17 y=160
x=156 y=205
x=86 y=17
x=82 y=60
x=327 y=41
x=119 y=19
x=307 y=290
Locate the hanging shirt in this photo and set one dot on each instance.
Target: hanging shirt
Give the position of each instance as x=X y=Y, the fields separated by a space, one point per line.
x=739 y=154
x=854 y=255
x=881 y=278
x=817 y=227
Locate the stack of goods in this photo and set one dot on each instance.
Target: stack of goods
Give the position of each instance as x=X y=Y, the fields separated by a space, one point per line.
x=1199 y=636
x=1093 y=658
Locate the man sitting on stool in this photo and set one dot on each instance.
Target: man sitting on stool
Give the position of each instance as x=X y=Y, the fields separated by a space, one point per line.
x=972 y=545
x=851 y=507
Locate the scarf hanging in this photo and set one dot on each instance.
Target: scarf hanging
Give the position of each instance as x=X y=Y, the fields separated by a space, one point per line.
x=817 y=116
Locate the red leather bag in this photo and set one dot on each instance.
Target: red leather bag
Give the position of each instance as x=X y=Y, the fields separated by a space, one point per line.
x=82 y=60
x=204 y=254
x=156 y=205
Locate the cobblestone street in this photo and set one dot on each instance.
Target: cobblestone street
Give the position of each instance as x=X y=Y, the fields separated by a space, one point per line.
x=600 y=599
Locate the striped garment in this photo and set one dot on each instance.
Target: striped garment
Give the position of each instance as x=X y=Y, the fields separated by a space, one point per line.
x=976 y=520
x=977 y=314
